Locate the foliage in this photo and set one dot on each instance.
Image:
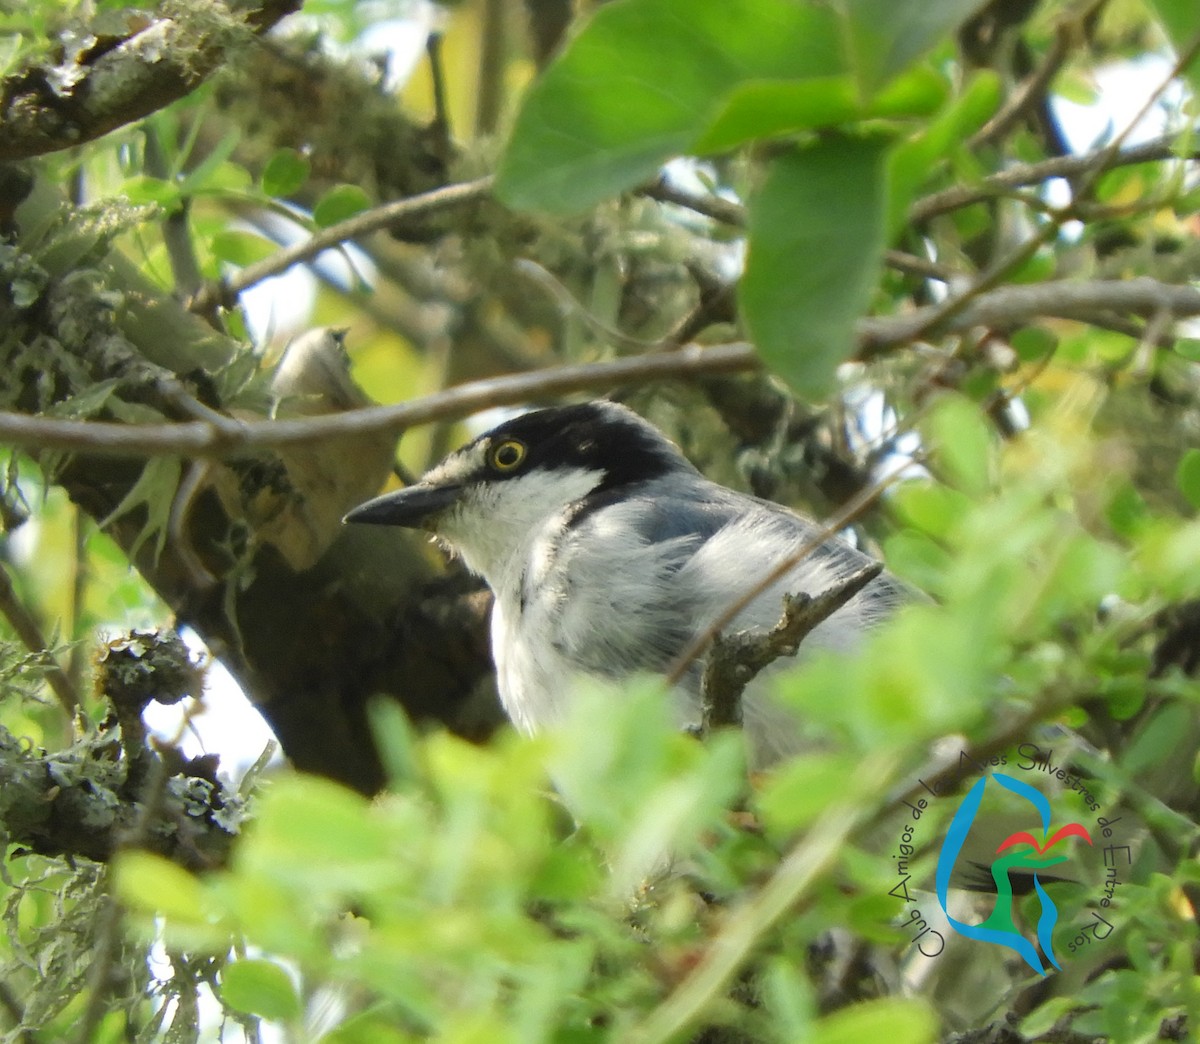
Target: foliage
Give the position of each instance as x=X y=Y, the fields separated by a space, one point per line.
x=1034 y=467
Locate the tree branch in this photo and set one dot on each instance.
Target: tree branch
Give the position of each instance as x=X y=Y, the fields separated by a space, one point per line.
x=202 y=438
x=146 y=71
x=1007 y=307
x=388 y=215
x=734 y=661
x=1001 y=183
x=1156 y=150
x=22 y=621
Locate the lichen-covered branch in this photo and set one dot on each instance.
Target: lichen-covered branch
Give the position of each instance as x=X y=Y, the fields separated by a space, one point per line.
x=112 y=788
x=45 y=109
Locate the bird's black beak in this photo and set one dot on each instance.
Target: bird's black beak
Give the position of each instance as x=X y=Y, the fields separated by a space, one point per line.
x=412 y=508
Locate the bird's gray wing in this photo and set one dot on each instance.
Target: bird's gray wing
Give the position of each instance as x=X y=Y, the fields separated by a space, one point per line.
x=625 y=604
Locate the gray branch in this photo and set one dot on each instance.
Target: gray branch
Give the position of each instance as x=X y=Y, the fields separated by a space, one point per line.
x=736 y=660
x=152 y=67
x=1004 y=308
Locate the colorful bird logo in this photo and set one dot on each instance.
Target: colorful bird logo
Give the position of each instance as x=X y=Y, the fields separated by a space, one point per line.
x=1019 y=851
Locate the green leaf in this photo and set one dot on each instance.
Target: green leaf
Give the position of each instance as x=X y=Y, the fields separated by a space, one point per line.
x=1187 y=477
x=816 y=237
x=216 y=171
x=257 y=987
x=912 y=160
x=145 y=189
x=339 y=203
x=896 y=1020
x=241 y=247
x=316 y=836
x=886 y=36
x=642 y=82
x=285 y=172
x=929 y=506
x=155 y=490
x=1181 y=20
x=798 y=791
x=152 y=883
x=961 y=443
x=764 y=109
x=1034 y=344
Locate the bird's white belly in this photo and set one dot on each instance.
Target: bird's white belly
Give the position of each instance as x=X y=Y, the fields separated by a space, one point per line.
x=533 y=685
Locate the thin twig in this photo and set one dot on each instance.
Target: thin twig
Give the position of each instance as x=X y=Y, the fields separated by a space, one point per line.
x=1033 y=89
x=737 y=659
x=177 y=237
x=705 y=203
x=837 y=522
x=1004 y=182
x=80 y=576
x=569 y=304
x=372 y=220
x=30 y=633
x=437 y=77
x=1003 y=266
x=493 y=47
x=911 y=264
x=181 y=508
x=807 y=862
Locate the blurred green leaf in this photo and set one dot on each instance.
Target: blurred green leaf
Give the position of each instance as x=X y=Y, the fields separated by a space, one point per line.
x=145 y=189
x=911 y=160
x=339 y=203
x=286 y=171
x=816 y=237
x=929 y=506
x=919 y=559
x=155 y=491
x=154 y=884
x=962 y=444
x=894 y=1019
x=241 y=247
x=1034 y=344
x=1187 y=477
x=885 y=36
x=1181 y=20
x=259 y=987
x=766 y=109
x=216 y=171
x=797 y=792
x=789 y=997
x=640 y=83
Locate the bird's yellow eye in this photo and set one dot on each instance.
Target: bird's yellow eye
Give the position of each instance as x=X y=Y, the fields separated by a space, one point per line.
x=507 y=455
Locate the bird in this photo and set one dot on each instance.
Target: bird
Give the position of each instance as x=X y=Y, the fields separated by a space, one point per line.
x=608 y=554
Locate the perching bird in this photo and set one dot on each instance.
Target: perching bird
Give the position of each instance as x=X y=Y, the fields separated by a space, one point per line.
x=608 y=553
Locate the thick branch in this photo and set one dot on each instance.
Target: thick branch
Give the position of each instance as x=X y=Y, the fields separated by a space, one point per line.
x=148 y=70
x=1007 y=307
x=79 y=803
x=201 y=438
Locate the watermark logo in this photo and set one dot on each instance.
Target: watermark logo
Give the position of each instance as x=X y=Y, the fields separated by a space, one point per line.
x=1020 y=781
x=1019 y=851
